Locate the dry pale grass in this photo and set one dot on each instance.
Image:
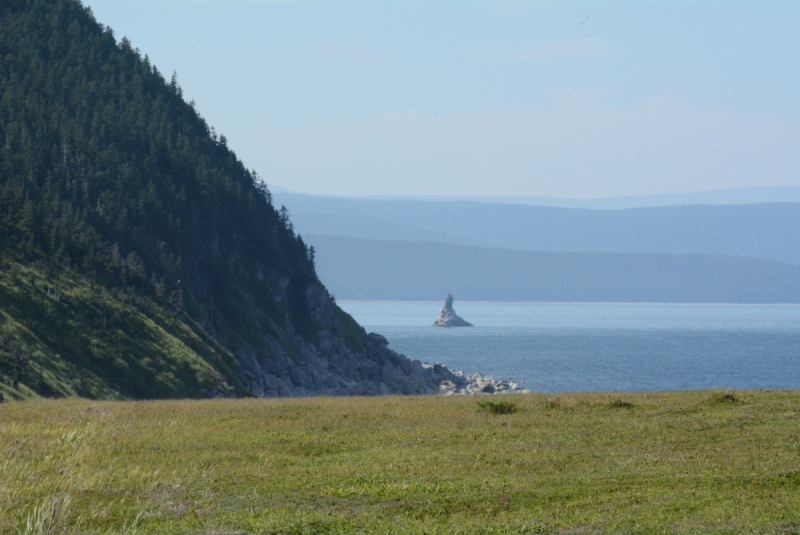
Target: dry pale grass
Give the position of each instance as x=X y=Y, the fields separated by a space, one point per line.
x=682 y=462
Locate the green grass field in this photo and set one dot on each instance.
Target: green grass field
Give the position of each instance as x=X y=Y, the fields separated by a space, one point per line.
x=680 y=462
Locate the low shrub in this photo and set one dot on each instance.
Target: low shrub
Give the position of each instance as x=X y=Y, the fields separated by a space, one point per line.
x=620 y=403
x=497 y=406
x=724 y=397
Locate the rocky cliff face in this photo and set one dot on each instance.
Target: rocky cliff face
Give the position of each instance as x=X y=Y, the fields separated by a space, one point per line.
x=448 y=317
x=331 y=366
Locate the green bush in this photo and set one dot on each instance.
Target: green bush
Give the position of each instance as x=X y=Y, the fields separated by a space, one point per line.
x=496 y=406
x=620 y=403
x=724 y=397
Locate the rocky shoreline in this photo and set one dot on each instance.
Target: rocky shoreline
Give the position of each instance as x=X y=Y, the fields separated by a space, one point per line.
x=329 y=367
x=476 y=384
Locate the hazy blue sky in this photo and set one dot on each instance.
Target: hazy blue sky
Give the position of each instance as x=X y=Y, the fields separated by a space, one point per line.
x=556 y=98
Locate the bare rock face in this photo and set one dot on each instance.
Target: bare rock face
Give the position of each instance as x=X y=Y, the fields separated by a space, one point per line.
x=448 y=317
x=328 y=367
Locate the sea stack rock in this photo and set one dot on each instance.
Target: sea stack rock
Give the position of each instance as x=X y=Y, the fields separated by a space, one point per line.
x=448 y=317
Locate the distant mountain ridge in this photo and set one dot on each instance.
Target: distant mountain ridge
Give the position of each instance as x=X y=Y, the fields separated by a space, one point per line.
x=358 y=269
x=745 y=195
x=765 y=231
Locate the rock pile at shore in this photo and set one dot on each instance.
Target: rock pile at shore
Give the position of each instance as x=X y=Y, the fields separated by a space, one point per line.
x=458 y=383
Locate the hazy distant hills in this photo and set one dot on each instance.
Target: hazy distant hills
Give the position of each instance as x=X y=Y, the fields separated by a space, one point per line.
x=401 y=270
x=768 y=231
x=404 y=249
x=751 y=195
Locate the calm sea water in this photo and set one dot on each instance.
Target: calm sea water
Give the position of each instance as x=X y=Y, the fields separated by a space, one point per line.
x=558 y=347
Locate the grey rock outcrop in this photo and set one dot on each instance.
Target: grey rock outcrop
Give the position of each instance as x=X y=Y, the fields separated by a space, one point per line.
x=289 y=366
x=448 y=317
x=459 y=383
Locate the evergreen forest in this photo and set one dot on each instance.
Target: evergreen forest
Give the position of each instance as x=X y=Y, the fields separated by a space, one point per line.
x=137 y=252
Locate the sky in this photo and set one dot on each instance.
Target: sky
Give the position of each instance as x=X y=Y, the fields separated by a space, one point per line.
x=572 y=99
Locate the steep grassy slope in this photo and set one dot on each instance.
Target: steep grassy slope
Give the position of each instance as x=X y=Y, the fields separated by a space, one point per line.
x=64 y=335
x=140 y=257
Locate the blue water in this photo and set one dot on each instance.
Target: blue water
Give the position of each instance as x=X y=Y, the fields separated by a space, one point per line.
x=559 y=347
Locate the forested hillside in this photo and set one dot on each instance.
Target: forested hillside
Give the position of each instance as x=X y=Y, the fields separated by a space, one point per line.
x=140 y=257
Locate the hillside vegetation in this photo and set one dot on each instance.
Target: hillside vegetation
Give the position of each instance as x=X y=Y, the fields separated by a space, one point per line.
x=680 y=462
x=139 y=257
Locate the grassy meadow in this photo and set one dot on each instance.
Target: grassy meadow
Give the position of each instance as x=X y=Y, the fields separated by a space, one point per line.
x=676 y=462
